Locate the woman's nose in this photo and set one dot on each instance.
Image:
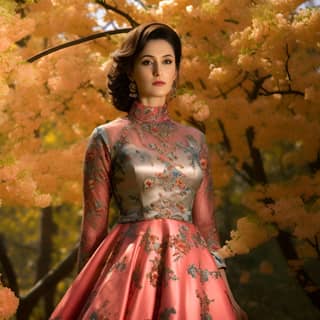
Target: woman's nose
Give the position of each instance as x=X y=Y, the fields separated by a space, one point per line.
x=155 y=69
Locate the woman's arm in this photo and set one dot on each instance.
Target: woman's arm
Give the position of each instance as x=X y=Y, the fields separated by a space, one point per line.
x=203 y=206
x=203 y=218
x=96 y=195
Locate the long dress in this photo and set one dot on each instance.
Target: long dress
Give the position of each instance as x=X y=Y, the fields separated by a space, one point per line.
x=159 y=261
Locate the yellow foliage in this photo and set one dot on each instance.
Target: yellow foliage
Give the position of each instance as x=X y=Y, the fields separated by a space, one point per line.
x=8 y=303
x=249 y=234
x=250 y=65
x=254 y=65
x=305 y=250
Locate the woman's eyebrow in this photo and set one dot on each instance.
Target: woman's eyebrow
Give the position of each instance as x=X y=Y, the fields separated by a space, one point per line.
x=151 y=56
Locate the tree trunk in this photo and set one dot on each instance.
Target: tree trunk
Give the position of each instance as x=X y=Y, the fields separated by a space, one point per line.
x=7 y=267
x=47 y=230
x=288 y=250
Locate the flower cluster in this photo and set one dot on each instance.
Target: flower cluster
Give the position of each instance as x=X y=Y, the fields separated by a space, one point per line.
x=8 y=303
x=249 y=234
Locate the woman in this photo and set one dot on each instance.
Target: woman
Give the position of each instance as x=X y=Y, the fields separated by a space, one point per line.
x=160 y=260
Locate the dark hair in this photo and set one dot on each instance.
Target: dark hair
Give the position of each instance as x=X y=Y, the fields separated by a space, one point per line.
x=124 y=58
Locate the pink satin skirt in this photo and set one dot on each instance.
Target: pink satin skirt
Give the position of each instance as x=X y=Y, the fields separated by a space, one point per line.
x=153 y=269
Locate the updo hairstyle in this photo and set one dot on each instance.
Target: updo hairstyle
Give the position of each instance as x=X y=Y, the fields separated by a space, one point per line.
x=124 y=58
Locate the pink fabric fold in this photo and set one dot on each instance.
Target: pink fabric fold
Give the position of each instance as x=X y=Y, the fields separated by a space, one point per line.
x=154 y=269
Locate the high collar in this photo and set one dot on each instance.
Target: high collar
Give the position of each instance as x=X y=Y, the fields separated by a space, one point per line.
x=143 y=113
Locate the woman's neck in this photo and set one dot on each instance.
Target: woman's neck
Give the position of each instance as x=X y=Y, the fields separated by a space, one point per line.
x=153 y=101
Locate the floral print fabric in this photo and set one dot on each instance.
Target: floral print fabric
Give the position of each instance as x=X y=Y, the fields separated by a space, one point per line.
x=159 y=260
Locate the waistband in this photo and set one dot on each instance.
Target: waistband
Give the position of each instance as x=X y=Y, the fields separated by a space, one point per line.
x=125 y=218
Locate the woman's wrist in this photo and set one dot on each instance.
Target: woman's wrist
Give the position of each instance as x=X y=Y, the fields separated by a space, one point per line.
x=218 y=259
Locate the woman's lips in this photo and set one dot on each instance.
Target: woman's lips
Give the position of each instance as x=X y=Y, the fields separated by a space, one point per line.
x=158 y=83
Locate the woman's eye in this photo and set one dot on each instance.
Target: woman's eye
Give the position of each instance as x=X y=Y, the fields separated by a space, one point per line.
x=168 y=61
x=146 y=62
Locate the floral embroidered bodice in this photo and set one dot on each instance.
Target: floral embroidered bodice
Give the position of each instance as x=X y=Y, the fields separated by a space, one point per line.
x=154 y=167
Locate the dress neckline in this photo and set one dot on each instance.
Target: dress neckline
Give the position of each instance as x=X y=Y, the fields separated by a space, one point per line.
x=143 y=113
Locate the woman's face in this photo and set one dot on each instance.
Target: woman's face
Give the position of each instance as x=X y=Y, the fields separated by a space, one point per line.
x=154 y=72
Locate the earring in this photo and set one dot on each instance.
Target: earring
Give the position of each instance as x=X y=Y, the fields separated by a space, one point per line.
x=133 y=90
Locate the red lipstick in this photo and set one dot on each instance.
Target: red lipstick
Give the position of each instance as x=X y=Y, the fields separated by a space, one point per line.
x=158 y=83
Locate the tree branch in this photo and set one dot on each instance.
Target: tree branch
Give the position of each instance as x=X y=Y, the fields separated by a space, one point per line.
x=284 y=92
x=315 y=165
x=316 y=240
x=287 y=64
x=226 y=143
x=241 y=174
x=257 y=85
x=256 y=171
x=118 y=11
x=28 y=302
x=226 y=140
x=198 y=124
x=8 y=267
x=47 y=230
x=236 y=85
x=75 y=42
x=314 y=245
x=288 y=249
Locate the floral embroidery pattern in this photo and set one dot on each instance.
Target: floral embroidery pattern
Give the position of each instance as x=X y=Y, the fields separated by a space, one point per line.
x=204 y=304
x=204 y=273
x=149 y=242
x=165 y=314
x=199 y=240
x=143 y=114
x=160 y=273
x=192 y=148
x=148 y=183
x=159 y=174
x=103 y=310
x=180 y=243
x=168 y=162
x=171 y=178
x=136 y=277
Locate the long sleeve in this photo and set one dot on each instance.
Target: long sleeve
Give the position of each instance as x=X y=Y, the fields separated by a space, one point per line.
x=96 y=195
x=203 y=207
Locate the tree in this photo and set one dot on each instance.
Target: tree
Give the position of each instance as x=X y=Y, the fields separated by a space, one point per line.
x=255 y=94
